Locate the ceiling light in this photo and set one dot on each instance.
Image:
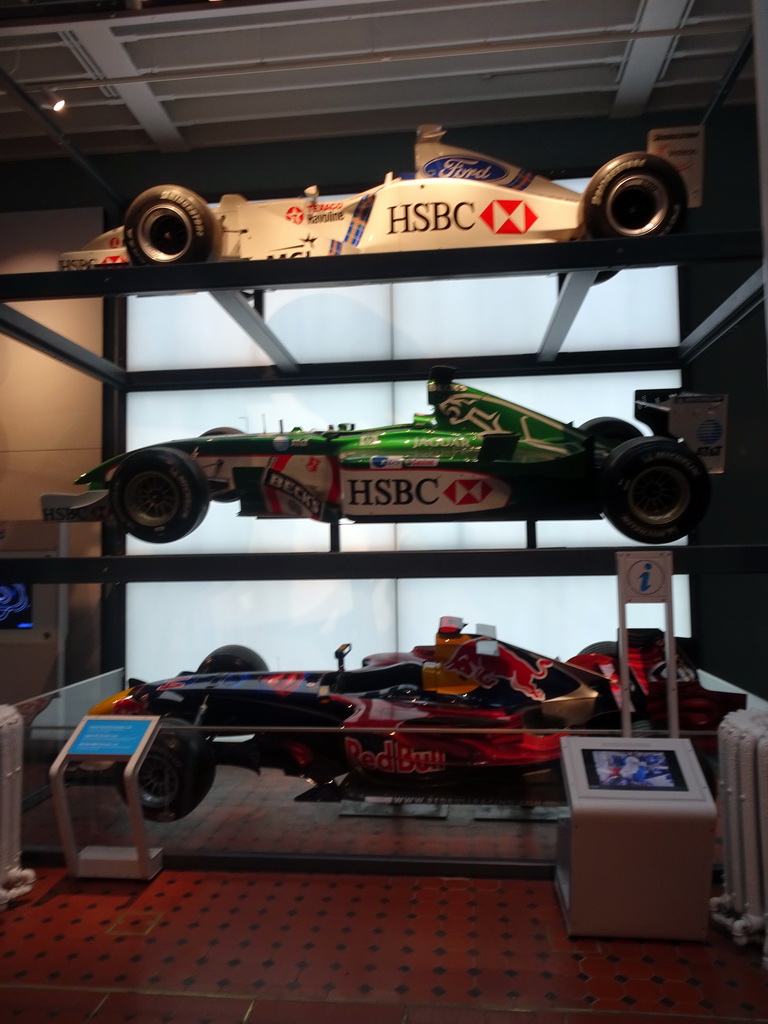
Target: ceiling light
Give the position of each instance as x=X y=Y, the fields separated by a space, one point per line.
x=52 y=102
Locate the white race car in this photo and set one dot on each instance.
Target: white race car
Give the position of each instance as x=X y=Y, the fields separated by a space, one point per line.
x=455 y=199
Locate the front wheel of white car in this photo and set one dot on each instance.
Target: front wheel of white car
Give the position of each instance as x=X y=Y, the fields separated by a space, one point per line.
x=168 y=225
x=633 y=196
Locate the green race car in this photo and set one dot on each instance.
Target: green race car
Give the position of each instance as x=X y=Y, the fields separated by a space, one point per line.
x=475 y=456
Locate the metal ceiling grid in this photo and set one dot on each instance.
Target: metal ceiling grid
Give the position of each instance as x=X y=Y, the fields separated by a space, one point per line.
x=144 y=75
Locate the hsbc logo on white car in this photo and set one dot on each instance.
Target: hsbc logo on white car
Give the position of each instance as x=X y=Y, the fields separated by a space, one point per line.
x=502 y=216
x=509 y=216
x=408 y=217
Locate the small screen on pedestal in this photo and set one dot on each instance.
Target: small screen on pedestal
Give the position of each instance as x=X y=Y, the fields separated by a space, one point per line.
x=633 y=770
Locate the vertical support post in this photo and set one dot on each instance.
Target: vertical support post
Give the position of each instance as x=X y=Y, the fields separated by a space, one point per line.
x=760 y=27
x=645 y=577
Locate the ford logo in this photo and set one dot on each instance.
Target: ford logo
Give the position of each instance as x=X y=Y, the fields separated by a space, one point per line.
x=469 y=168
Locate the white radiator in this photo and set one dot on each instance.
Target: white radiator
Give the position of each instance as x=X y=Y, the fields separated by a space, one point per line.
x=14 y=881
x=743 y=756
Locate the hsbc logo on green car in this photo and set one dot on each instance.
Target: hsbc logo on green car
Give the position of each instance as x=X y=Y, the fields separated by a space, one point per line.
x=407 y=494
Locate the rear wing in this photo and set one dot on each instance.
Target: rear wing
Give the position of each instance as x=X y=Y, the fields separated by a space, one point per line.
x=699 y=420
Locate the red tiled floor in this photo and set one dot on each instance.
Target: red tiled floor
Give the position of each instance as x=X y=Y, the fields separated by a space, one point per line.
x=240 y=948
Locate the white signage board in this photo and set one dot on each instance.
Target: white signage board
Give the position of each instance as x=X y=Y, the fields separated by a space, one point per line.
x=684 y=149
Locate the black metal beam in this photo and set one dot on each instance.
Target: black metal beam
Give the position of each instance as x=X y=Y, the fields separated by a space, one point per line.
x=34 y=334
x=252 y=322
x=375 y=371
x=731 y=76
x=746 y=298
x=688 y=560
x=371 y=268
x=573 y=290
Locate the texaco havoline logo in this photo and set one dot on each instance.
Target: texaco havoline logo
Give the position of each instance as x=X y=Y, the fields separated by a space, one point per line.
x=508 y=216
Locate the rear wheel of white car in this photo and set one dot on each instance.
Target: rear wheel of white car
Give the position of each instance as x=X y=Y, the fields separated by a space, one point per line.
x=168 y=224
x=654 y=490
x=159 y=494
x=634 y=195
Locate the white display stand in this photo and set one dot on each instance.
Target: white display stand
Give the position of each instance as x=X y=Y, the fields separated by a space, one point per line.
x=645 y=577
x=635 y=851
x=125 y=739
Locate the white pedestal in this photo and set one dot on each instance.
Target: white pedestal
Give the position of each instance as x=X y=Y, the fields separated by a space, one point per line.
x=118 y=862
x=635 y=860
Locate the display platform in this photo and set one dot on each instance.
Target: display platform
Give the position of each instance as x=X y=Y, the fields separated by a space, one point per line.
x=635 y=850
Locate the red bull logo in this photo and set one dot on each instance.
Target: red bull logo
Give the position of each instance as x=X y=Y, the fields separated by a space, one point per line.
x=395 y=758
x=482 y=668
x=486 y=670
x=522 y=674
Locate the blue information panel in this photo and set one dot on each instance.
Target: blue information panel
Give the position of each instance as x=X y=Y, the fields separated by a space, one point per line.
x=110 y=736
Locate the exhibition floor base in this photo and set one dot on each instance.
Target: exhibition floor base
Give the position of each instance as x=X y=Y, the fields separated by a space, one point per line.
x=250 y=820
x=274 y=948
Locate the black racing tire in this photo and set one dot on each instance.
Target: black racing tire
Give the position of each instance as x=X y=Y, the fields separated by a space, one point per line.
x=220 y=432
x=232 y=658
x=170 y=225
x=610 y=648
x=176 y=774
x=611 y=429
x=633 y=196
x=159 y=494
x=654 y=490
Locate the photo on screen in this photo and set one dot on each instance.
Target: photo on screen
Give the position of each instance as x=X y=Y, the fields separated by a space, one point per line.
x=15 y=606
x=634 y=770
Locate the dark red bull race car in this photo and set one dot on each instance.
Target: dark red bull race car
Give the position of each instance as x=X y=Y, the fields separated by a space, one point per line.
x=460 y=720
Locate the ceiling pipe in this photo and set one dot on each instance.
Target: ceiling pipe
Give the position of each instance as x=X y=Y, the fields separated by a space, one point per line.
x=27 y=103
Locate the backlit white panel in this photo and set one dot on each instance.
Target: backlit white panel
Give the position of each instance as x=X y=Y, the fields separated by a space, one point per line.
x=223 y=531
x=555 y=616
x=292 y=624
x=482 y=316
x=298 y=624
x=459 y=536
x=634 y=309
x=171 y=332
x=162 y=416
x=319 y=325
